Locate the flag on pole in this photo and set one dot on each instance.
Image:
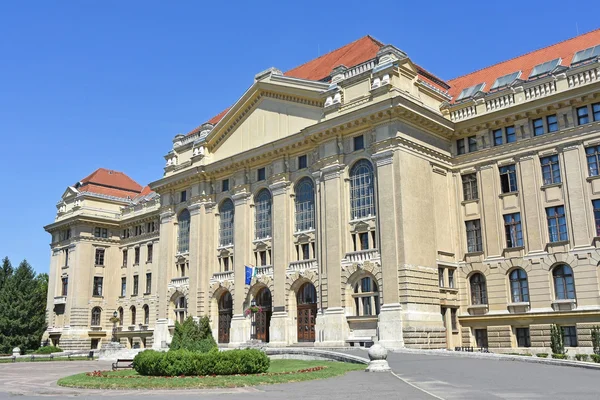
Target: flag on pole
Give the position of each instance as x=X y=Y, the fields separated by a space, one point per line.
x=249 y=274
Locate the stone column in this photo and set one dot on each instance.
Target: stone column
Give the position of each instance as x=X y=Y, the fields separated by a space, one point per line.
x=390 y=316
x=165 y=259
x=532 y=217
x=331 y=326
x=576 y=199
x=196 y=211
x=280 y=321
x=240 y=325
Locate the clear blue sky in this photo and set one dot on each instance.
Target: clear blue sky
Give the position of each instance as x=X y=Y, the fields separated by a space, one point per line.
x=88 y=84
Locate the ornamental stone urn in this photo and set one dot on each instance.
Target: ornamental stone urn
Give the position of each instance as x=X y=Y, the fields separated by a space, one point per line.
x=16 y=351
x=378 y=357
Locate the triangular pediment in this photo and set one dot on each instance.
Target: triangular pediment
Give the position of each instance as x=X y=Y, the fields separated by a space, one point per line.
x=273 y=108
x=70 y=193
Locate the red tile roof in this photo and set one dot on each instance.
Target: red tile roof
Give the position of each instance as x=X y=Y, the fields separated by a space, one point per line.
x=110 y=183
x=525 y=63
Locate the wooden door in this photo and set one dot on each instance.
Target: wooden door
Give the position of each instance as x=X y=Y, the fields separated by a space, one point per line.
x=307 y=314
x=263 y=322
x=224 y=325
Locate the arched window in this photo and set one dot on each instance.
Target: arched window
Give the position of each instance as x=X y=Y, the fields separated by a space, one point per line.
x=226 y=223
x=519 y=288
x=146 y=315
x=132 y=309
x=183 y=232
x=307 y=294
x=362 y=190
x=121 y=316
x=564 y=284
x=366 y=297
x=305 y=205
x=226 y=302
x=180 y=309
x=96 y=316
x=478 y=289
x=262 y=223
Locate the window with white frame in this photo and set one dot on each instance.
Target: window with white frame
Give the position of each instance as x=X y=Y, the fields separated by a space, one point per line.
x=362 y=190
x=478 y=289
x=512 y=229
x=550 y=169
x=593 y=160
x=305 y=205
x=262 y=222
x=474 y=236
x=508 y=178
x=226 y=212
x=519 y=288
x=366 y=297
x=96 y=316
x=99 y=258
x=564 y=283
x=557 y=224
x=97 y=287
x=470 y=190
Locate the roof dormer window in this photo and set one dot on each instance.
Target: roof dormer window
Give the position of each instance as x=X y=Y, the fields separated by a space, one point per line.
x=505 y=80
x=470 y=91
x=544 y=68
x=584 y=55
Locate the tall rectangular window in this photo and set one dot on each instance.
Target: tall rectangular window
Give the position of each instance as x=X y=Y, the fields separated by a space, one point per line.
x=453 y=319
x=552 y=122
x=550 y=169
x=498 y=137
x=596 y=204
x=481 y=338
x=123 y=286
x=136 y=258
x=97 y=290
x=538 y=127
x=99 y=259
x=183 y=196
x=261 y=174
x=596 y=111
x=570 y=336
x=508 y=179
x=65 y=286
x=511 y=135
x=359 y=142
x=512 y=228
x=470 y=191
x=136 y=283
x=150 y=250
x=66 y=253
x=302 y=162
x=472 y=143
x=451 y=278
x=124 y=258
x=441 y=277
x=460 y=146
x=523 y=339
x=305 y=251
x=593 y=159
x=582 y=115
x=443 y=312
x=557 y=224
x=225 y=185
x=364 y=240
x=148 y=283
x=474 y=236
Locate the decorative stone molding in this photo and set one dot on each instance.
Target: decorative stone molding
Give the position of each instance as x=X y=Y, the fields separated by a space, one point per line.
x=279 y=188
x=383 y=158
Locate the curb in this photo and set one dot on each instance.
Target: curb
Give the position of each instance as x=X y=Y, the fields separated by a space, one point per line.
x=325 y=354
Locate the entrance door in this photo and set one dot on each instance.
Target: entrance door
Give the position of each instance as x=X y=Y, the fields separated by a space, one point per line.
x=263 y=319
x=225 y=314
x=307 y=312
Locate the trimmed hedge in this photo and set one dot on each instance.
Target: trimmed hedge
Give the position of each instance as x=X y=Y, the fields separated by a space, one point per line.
x=595 y=358
x=560 y=356
x=542 y=355
x=191 y=363
x=48 y=350
x=581 y=357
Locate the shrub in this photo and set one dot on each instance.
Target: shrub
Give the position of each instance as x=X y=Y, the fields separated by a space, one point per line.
x=595 y=358
x=596 y=339
x=193 y=363
x=581 y=357
x=48 y=350
x=556 y=340
x=542 y=355
x=192 y=336
x=559 y=356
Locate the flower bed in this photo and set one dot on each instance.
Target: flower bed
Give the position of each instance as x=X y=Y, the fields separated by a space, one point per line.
x=109 y=374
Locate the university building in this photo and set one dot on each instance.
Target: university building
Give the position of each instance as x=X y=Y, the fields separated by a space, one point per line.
x=376 y=201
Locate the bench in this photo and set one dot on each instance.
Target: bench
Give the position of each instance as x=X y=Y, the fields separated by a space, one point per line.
x=122 y=363
x=470 y=349
x=41 y=356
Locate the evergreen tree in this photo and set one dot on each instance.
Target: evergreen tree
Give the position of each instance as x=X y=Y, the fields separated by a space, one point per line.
x=22 y=309
x=6 y=271
x=193 y=336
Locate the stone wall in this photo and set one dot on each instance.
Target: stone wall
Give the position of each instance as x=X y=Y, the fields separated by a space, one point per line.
x=499 y=336
x=539 y=335
x=424 y=338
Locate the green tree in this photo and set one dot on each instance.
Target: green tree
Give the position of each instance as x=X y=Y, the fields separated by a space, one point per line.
x=6 y=271
x=193 y=336
x=22 y=309
x=556 y=340
x=596 y=339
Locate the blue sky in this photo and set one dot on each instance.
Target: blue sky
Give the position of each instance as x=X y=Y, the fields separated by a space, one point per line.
x=88 y=84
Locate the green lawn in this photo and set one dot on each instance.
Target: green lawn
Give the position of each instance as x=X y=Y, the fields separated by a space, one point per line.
x=28 y=359
x=129 y=379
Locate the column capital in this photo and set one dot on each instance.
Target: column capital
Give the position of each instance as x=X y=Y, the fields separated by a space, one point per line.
x=165 y=217
x=278 y=188
x=332 y=171
x=383 y=158
x=240 y=198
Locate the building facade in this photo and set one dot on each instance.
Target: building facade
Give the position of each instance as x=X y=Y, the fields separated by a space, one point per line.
x=375 y=201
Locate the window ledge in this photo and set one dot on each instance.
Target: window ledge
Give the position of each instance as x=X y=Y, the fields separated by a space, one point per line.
x=592 y=178
x=516 y=248
x=551 y=185
x=134 y=295
x=97 y=296
x=362 y=318
x=520 y=307
x=448 y=289
x=515 y=193
x=121 y=297
x=147 y=294
x=136 y=264
x=99 y=265
x=148 y=261
x=469 y=201
x=558 y=243
x=564 y=304
x=123 y=266
x=473 y=253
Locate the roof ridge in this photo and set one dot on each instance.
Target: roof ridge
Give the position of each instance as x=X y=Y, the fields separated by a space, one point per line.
x=524 y=54
x=339 y=48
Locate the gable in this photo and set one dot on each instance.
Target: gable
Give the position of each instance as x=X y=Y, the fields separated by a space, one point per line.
x=268 y=121
x=69 y=193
